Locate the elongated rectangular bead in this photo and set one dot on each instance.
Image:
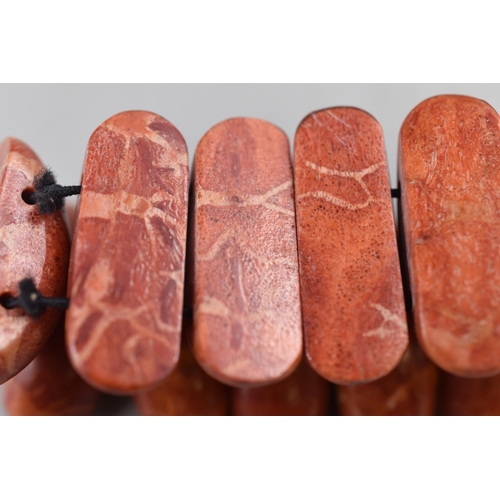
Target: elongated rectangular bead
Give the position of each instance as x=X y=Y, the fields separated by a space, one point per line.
x=126 y=280
x=247 y=321
x=449 y=171
x=352 y=298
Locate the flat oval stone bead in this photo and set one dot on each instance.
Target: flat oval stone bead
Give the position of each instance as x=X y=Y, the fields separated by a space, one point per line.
x=32 y=245
x=460 y=396
x=49 y=385
x=247 y=321
x=352 y=297
x=410 y=389
x=188 y=390
x=449 y=170
x=127 y=261
x=303 y=393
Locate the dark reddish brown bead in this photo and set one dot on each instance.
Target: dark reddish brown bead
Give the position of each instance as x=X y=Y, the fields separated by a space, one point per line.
x=304 y=392
x=49 y=385
x=460 y=396
x=188 y=390
x=32 y=245
x=449 y=170
x=352 y=297
x=410 y=389
x=247 y=321
x=127 y=262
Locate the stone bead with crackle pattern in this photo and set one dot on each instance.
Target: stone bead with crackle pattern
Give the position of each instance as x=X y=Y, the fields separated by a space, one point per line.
x=449 y=170
x=32 y=245
x=247 y=320
x=127 y=263
x=352 y=297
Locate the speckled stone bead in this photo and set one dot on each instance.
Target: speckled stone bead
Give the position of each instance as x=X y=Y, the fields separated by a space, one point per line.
x=247 y=320
x=127 y=260
x=449 y=170
x=32 y=245
x=352 y=298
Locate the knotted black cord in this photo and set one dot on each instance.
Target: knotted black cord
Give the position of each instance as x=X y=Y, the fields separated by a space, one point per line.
x=32 y=301
x=48 y=195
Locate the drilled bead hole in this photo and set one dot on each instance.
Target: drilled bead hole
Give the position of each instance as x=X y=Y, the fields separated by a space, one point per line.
x=28 y=196
x=6 y=299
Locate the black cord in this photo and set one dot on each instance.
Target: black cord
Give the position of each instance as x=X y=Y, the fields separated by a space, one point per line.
x=48 y=195
x=32 y=301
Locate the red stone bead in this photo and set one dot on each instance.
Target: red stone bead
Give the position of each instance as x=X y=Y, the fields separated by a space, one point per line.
x=352 y=298
x=127 y=263
x=302 y=393
x=188 y=390
x=449 y=170
x=460 y=396
x=410 y=389
x=33 y=246
x=247 y=321
x=49 y=385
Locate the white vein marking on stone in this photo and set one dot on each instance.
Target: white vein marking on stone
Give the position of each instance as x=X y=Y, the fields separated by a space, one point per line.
x=98 y=205
x=212 y=305
x=315 y=118
x=29 y=167
x=152 y=136
x=215 y=198
x=338 y=201
x=387 y=316
x=214 y=249
x=335 y=117
x=109 y=316
x=279 y=209
x=356 y=175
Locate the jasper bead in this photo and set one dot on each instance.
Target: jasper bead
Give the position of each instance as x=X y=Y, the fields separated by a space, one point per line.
x=127 y=263
x=352 y=297
x=449 y=171
x=247 y=320
x=32 y=245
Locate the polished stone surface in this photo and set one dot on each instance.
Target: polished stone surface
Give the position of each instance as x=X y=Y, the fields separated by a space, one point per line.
x=127 y=263
x=32 y=245
x=247 y=320
x=352 y=298
x=449 y=170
